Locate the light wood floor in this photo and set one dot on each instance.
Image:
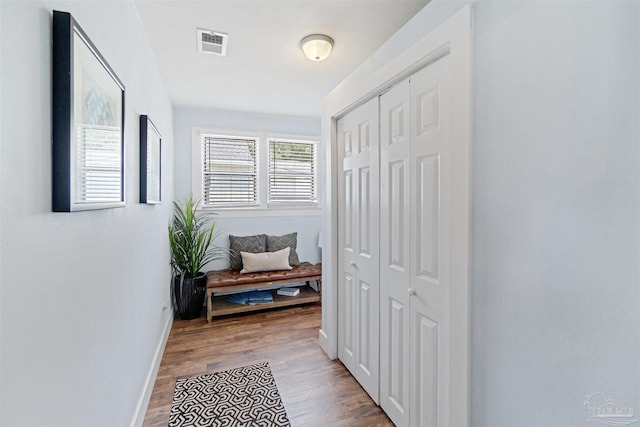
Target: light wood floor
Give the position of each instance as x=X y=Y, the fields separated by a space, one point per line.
x=315 y=390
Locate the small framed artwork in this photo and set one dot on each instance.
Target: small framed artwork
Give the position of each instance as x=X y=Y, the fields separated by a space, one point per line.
x=88 y=123
x=150 y=162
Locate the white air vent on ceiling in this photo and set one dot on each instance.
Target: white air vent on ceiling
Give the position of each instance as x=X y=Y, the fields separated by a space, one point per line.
x=212 y=42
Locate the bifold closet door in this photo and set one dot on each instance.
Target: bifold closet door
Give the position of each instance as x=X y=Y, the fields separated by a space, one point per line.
x=414 y=271
x=358 y=229
x=395 y=155
x=431 y=145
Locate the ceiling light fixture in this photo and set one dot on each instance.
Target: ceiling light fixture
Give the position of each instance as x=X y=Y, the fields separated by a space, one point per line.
x=316 y=46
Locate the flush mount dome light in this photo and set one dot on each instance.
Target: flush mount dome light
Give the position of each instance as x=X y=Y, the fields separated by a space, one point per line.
x=316 y=46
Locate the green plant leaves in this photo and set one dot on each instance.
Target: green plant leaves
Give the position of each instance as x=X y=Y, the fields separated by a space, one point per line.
x=190 y=238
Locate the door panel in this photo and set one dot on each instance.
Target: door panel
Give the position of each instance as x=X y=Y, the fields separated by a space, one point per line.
x=349 y=323
x=364 y=215
x=346 y=331
x=429 y=281
x=358 y=217
x=396 y=391
x=394 y=270
x=348 y=211
x=398 y=123
x=397 y=212
x=364 y=136
x=427 y=215
x=364 y=344
x=347 y=142
x=427 y=110
x=427 y=371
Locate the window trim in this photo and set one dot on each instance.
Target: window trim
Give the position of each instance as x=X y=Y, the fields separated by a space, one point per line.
x=262 y=169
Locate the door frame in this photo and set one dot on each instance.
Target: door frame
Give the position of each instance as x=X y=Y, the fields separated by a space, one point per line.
x=453 y=37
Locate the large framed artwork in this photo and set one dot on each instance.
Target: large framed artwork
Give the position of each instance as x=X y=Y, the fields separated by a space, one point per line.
x=88 y=123
x=150 y=162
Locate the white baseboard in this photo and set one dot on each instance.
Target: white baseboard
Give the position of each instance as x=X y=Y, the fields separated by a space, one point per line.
x=145 y=397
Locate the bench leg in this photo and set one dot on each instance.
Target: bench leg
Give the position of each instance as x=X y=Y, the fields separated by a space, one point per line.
x=209 y=305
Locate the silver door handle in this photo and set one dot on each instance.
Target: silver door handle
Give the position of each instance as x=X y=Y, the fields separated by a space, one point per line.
x=412 y=292
x=353 y=265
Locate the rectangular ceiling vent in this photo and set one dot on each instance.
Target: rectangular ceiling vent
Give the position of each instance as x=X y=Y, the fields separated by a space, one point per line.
x=212 y=42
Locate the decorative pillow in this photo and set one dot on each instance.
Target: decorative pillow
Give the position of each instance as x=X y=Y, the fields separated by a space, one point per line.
x=265 y=261
x=275 y=243
x=251 y=244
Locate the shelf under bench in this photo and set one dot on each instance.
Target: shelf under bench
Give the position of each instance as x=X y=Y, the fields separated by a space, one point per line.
x=221 y=307
x=221 y=284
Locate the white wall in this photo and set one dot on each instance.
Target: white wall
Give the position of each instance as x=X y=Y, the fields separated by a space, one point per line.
x=238 y=223
x=307 y=227
x=556 y=239
x=556 y=242
x=81 y=293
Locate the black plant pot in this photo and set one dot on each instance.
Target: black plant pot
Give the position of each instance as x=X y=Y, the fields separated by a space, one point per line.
x=190 y=299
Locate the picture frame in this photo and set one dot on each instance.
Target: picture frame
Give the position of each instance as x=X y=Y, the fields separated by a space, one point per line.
x=87 y=123
x=150 y=162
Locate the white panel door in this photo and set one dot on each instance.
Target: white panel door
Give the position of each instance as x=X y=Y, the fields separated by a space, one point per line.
x=358 y=214
x=431 y=146
x=415 y=213
x=395 y=236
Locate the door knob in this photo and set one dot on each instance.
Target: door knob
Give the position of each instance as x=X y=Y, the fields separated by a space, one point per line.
x=412 y=292
x=353 y=265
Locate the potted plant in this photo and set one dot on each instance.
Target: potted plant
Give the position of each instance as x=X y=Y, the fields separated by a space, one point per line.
x=191 y=244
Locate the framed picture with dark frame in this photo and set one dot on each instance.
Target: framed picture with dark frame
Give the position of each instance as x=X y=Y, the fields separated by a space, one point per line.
x=150 y=162
x=88 y=123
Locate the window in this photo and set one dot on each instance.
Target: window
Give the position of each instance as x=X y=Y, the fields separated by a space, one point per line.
x=258 y=171
x=292 y=172
x=229 y=171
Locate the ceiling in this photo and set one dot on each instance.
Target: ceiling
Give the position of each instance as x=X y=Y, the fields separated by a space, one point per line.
x=264 y=70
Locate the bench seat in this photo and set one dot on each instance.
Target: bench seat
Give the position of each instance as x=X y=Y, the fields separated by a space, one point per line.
x=229 y=281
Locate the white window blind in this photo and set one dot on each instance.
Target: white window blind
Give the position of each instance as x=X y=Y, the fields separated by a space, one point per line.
x=292 y=172
x=229 y=171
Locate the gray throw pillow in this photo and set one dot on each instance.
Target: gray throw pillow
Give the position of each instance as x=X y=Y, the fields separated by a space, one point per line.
x=252 y=244
x=276 y=243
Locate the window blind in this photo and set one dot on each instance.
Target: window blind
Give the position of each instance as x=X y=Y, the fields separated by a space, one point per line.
x=229 y=171
x=292 y=172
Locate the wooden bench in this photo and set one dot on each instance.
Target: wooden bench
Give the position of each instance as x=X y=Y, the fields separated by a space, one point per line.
x=221 y=283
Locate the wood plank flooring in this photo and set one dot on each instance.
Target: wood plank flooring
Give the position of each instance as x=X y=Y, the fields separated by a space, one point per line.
x=315 y=390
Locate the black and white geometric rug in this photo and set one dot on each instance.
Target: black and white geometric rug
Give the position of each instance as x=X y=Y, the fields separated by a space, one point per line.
x=246 y=397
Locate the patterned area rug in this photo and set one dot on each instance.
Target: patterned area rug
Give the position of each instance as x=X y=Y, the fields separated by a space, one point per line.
x=246 y=397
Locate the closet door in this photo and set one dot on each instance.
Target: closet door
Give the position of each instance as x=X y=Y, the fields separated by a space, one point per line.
x=416 y=220
x=358 y=218
x=395 y=236
x=431 y=222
